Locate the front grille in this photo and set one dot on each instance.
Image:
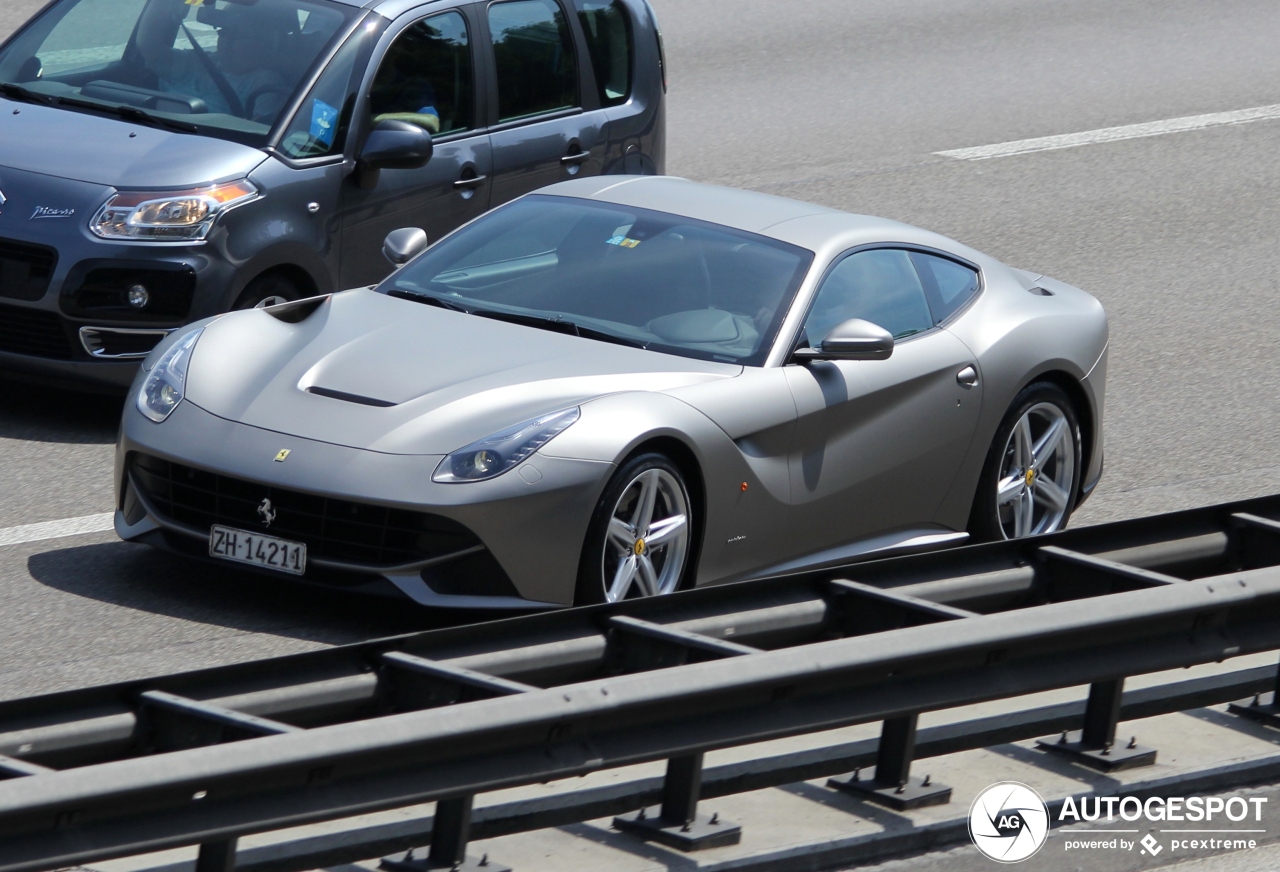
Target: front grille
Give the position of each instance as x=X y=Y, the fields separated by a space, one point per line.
x=33 y=332
x=368 y=535
x=25 y=269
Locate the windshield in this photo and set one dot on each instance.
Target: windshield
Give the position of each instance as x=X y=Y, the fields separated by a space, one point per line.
x=641 y=277
x=221 y=68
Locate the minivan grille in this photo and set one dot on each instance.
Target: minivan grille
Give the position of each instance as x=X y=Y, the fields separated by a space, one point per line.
x=25 y=270
x=33 y=332
x=364 y=534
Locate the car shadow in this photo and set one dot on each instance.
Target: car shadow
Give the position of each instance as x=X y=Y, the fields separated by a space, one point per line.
x=138 y=577
x=36 y=413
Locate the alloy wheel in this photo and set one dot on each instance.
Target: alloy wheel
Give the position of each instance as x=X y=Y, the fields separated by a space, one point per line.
x=647 y=537
x=1037 y=472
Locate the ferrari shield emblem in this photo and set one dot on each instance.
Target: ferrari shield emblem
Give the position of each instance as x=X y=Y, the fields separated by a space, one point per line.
x=283 y=453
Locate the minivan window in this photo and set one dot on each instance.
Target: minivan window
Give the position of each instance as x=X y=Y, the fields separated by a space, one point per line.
x=321 y=124
x=425 y=77
x=220 y=68
x=533 y=52
x=609 y=42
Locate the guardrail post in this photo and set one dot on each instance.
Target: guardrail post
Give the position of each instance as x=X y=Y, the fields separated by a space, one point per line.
x=676 y=822
x=217 y=856
x=1257 y=710
x=892 y=784
x=450 y=831
x=1095 y=745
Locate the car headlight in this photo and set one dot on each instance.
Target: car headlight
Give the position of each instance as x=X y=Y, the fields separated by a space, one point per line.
x=164 y=385
x=494 y=455
x=169 y=216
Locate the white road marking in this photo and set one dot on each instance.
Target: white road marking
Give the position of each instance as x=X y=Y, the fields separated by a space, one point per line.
x=1114 y=134
x=56 y=529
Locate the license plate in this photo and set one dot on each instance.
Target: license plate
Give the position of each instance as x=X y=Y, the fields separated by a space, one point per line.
x=255 y=549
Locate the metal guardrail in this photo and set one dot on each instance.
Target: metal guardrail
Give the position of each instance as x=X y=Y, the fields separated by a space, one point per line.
x=206 y=757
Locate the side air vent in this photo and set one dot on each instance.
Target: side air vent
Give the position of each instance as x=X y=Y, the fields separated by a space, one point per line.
x=1040 y=292
x=349 y=398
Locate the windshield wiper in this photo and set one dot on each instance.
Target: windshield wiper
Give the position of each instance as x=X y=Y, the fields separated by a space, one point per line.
x=429 y=299
x=558 y=324
x=9 y=89
x=133 y=113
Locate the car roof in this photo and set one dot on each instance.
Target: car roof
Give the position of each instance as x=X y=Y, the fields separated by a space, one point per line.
x=806 y=224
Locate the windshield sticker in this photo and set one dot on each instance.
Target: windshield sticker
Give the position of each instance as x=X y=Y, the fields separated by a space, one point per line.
x=322 y=118
x=624 y=241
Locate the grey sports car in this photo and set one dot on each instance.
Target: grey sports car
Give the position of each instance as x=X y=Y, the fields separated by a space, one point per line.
x=620 y=387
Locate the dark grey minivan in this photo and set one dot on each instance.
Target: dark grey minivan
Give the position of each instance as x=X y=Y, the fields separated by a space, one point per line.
x=165 y=160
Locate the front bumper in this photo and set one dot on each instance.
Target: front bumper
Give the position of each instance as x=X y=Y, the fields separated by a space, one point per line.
x=528 y=527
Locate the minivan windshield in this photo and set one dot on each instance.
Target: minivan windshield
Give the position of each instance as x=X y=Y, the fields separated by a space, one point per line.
x=224 y=68
x=616 y=273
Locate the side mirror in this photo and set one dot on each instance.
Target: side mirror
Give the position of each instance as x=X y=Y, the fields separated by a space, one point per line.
x=854 y=339
x=396 y=145
x=403 y=245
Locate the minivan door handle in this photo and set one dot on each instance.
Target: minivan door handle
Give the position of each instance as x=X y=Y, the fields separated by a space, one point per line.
x=474 y=181
x=967 y=377
x=570 y=159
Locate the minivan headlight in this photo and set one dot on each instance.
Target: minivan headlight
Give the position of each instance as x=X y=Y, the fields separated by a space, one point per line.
x=165 y=384
x=492 y=456
x=169 y=216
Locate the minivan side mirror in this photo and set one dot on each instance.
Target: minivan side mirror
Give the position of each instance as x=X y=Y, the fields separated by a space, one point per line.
x=396 y=145
x=403 y=245
x=854 y=339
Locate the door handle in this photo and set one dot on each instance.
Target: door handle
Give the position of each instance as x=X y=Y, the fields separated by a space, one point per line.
x=472 y=182
x=967 y=377
x=580 y=157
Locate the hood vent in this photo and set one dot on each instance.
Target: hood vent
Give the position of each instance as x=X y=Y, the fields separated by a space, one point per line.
x=349 y=398
x=297 y=310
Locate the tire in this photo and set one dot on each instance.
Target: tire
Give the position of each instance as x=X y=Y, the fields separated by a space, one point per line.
x=613 y=539
x=1017 y=499
x=267 y=290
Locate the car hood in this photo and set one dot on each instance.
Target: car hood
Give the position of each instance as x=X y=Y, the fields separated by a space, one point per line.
x=385 y=374
x=67 y=144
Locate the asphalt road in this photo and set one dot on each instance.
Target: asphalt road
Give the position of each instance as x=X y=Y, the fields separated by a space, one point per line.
x=842 y=102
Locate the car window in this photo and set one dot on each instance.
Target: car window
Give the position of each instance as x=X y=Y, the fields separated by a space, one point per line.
x=425 y=78
x=648 y=278
x=880 y=286
x=607 y=27
x=321 y=124
x=533 y=52
x=225 y=68
x=949 y=285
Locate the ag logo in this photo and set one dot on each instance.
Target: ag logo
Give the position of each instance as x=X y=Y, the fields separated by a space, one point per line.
x=1008 y=822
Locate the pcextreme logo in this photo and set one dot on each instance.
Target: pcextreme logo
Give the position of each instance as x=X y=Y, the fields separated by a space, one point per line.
x=1008 y=822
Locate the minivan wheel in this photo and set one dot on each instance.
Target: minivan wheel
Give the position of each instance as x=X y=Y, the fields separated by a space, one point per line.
x=1032 y=472
x=268 y=290
x=640 y=538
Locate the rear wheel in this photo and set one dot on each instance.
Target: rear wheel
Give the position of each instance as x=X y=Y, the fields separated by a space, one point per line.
x=268 y=290
x=1029 y=482
x=641 y=535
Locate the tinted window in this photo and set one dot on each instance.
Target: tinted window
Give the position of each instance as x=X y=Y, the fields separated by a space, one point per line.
x=880 y=286
x=320 y=127
x=647 y=278
x=425 y=78
x=537 y=71
x=608 y=31
x=948 y=284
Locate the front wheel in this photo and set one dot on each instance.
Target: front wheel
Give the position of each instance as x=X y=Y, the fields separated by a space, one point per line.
x=1028 y=484
x=639 y=539
x=268 y=290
